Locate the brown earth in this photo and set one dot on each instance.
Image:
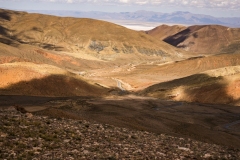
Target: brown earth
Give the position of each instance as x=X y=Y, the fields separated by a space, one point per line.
x=100 y=39
x=202 y=39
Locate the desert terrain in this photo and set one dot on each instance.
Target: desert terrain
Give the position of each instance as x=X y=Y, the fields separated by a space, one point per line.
x=177 y=81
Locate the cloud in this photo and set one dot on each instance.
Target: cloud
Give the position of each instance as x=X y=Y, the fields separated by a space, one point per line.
x=123 y=1
x=221 y=4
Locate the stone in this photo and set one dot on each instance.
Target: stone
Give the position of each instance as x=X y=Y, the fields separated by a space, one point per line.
x=29 y=115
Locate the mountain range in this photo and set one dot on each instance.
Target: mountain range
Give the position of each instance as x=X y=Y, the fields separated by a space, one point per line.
x=178 y=17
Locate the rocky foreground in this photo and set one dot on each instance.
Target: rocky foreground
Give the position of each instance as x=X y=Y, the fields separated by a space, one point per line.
x=27 y=136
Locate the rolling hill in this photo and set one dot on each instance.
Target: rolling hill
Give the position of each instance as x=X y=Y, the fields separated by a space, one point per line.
x=100 y=39
x=72 y=45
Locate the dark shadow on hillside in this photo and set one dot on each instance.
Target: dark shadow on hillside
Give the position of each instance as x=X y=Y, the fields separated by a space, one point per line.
x=178 y=38
x=200 y=88
x=183 y=35
x=23 y=100
x=5 y=15
x=10 y=39
x=37 y=29
x=51 y=47
x=54 y=85
x=8 y=42
x=3 y=31
x=186 y=81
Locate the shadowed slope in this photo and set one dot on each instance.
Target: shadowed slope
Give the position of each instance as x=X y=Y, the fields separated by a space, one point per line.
x=44 y=80
x=54 y=85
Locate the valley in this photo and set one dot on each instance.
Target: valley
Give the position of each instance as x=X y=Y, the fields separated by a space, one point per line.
x=182 y=81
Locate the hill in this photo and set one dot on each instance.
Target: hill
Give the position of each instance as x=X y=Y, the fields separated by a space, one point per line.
x=103 y=40
x=221 y=86
x=207 y=39
x=24 y=78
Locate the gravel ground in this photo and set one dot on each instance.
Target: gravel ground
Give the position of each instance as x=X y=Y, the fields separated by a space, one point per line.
x=26 y=136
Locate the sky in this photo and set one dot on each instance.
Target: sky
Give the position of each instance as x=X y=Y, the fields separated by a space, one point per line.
x=217 y=8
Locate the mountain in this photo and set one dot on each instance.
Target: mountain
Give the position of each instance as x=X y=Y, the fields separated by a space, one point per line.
x=178 y=17
x=207 y=39
x=100 y=39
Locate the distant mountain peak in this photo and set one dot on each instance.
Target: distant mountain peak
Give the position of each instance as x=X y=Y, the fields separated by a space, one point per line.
x=181 y=12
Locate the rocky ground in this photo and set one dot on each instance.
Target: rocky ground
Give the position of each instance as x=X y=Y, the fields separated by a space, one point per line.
x=27 y=136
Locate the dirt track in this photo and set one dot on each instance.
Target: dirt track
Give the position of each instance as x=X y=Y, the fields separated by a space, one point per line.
x=203 y=122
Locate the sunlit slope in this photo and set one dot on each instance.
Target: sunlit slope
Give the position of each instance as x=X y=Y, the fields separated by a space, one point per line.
x=104 y=40
x=13 y=51
x=221 y=86
x=22 y=78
